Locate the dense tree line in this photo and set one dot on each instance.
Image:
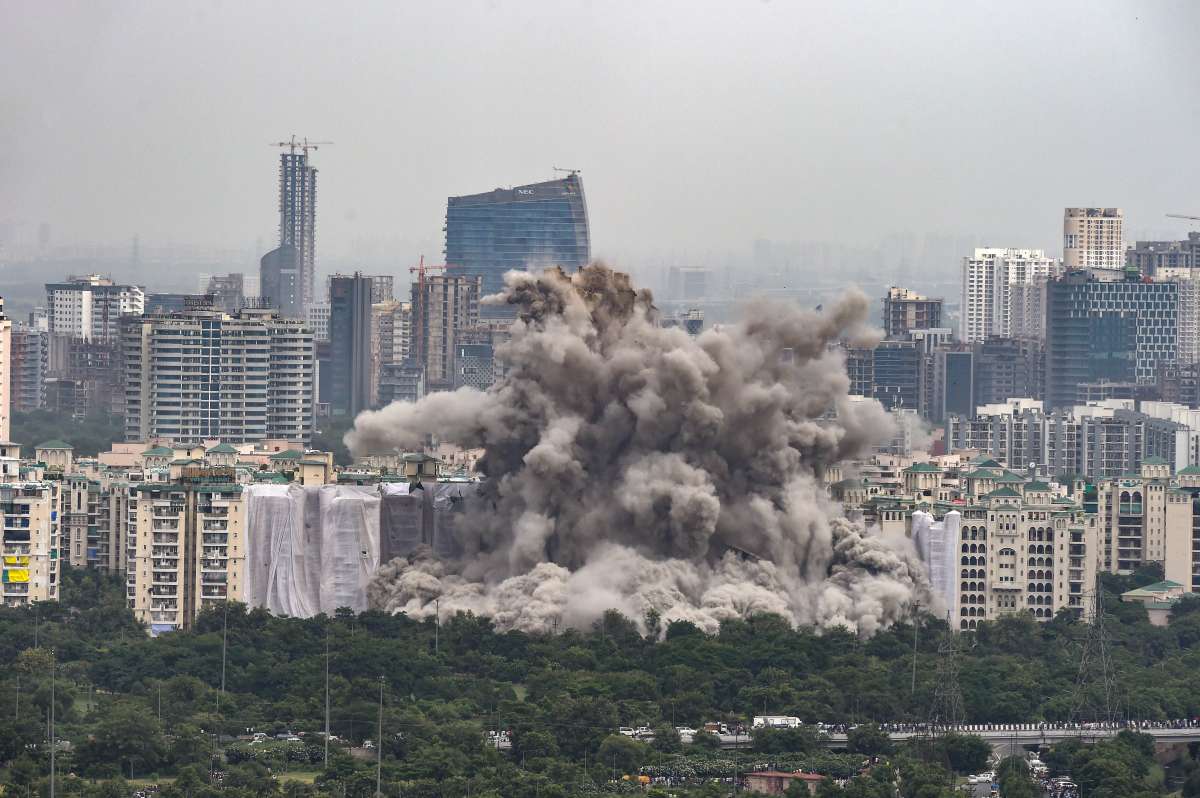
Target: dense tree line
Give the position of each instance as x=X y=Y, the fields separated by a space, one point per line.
x=129 y=705
x=90 y=435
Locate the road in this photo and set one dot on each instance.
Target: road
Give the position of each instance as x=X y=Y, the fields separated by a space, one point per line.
x=1009 y=738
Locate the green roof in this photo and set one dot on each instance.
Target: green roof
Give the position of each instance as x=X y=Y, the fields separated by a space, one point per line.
x=54 y=444
x=1191 y=471
x=313 y=462
x=922 y=468
x=185 y=461
x=222 y=448
x=1154 y=461
x=290 y=454
x=1011 y=478
x=1006 y=507
x=1003 y=493
x=158 y=451
x=1037 y=486
x=979 y=474
x=1154 y=590
x=983 y=461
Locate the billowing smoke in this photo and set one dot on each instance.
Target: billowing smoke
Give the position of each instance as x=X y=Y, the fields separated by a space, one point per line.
x=634 y=467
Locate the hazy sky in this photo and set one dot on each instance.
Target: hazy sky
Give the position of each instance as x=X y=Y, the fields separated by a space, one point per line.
x=697 y=125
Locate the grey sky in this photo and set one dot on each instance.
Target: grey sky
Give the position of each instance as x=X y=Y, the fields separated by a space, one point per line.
x=697 y=125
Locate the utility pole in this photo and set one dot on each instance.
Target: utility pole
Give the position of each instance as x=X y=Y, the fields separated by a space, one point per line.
x=160 y=704
x=326 y=696
x=437 y=628
x=1097 y=674
x=53 y=744
x=224 y=647
x=916 y=609
x=379 y=747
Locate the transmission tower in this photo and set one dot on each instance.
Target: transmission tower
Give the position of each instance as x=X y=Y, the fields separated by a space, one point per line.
x=946 y=709
x=1095 y=698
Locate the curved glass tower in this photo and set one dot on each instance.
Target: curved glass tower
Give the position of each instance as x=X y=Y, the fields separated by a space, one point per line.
x=538 y=225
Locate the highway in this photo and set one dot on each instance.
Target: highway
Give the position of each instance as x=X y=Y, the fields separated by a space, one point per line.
x=1012 y=736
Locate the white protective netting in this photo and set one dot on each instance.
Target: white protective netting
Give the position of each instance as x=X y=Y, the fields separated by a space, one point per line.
x=310 y=549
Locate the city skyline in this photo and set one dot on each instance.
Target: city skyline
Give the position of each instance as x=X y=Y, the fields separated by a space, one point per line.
x=883 y=135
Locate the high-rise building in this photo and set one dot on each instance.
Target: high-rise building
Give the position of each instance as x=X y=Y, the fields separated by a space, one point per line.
x=297 y=223
x=317 y=319
x=450 y=304
x=392 y=331
x=531 y=226
x=189 y=547
x=401 y=382
x=200 y=375
x=5 y=374
x=1187 y=324
x=897 y=375
x=350 y=342
x=1014 y=550
x=1093 y=238
x=280 y=283
x=688 y=283
x=953 y=384
x=227 y=290
x=1008 y=368
x=91 y=307
x=905 y=310
x=30 y=351
x=29 y=537
x=1148 y=257
x=990 y=305
x=382 y=288
x=1114 y=330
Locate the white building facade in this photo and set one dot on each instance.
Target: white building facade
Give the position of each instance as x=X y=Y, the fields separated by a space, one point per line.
x=1003 y=293
x=1094 y=238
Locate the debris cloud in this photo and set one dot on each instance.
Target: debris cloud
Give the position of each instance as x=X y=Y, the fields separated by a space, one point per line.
x=633 y=467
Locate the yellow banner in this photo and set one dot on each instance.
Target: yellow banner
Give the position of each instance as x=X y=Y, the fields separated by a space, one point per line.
x=16 y=575
x=16 y=559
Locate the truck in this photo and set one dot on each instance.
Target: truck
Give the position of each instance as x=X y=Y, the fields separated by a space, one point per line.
x=775 y=722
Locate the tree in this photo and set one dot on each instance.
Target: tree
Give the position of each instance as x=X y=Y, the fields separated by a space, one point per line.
x=966 y=753
x=624 y=753
x=869 y=739
x=799 y=740
x=126 y=736
x=1015 y=780
x=666 y=739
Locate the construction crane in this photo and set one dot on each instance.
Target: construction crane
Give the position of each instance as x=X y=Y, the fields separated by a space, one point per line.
x=565 y=171
x=419 y=306
x=303 y=144
x=1181 y=216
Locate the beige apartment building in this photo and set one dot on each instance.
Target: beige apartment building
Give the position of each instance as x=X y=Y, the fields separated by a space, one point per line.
x=29 y=542
x=1093 y=238
x=187 y=549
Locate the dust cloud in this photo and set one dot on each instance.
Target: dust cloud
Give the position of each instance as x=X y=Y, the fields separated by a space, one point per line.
x=634 y=467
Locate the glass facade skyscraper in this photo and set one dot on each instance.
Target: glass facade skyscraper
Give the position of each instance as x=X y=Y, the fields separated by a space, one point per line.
x=532 y=226
x=1106 y=330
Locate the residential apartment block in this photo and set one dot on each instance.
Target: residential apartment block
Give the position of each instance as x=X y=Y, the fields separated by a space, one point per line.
x=201 y=375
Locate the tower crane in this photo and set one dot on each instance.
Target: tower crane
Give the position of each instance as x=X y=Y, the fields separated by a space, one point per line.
x=304 y=145
x=1181 y=216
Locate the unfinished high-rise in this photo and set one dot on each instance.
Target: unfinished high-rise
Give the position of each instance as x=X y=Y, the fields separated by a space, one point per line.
x=290 y=270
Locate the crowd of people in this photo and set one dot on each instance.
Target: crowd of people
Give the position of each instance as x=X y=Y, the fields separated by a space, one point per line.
x=972 y=728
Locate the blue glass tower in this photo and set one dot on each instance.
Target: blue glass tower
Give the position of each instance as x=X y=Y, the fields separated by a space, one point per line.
x=533 y=226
